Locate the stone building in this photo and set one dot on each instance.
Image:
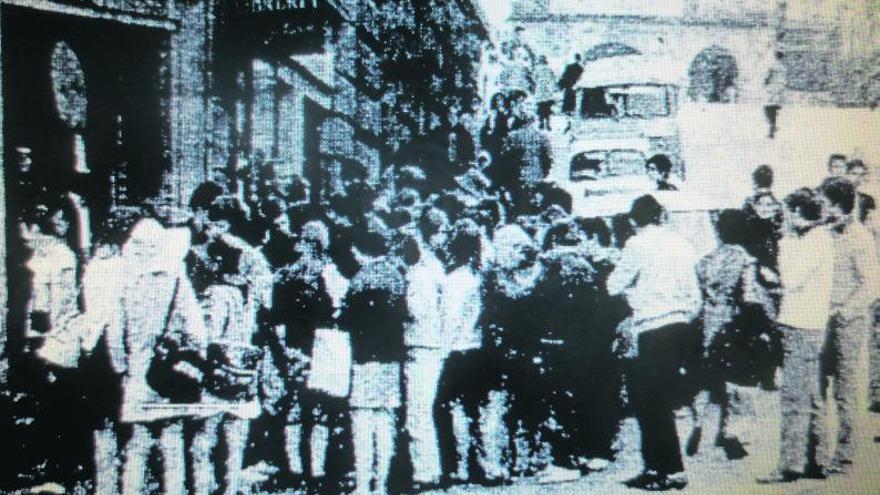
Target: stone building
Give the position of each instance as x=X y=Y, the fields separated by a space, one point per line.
x=104 y=102
x=323 y=90
x=828 y=46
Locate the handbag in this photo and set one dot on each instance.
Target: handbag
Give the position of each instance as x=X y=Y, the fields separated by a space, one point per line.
x=232 y=374
x=175 y=372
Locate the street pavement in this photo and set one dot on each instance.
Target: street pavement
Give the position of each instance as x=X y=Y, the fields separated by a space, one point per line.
x=756 y=422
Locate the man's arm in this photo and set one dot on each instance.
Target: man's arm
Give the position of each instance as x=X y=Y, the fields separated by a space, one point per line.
x=625 y=273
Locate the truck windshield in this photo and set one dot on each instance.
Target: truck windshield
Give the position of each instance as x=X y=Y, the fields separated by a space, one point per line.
x=640 y=101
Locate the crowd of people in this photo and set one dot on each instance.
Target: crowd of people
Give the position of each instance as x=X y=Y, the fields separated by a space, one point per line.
x=456 y=323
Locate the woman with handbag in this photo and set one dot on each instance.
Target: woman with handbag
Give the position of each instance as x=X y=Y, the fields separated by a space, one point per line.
x=158 y=316
x=240 y=288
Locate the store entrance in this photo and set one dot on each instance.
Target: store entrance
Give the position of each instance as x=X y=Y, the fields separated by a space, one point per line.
x=84 y=131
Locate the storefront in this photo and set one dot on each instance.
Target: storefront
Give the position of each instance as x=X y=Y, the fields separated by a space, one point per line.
x=103 y=109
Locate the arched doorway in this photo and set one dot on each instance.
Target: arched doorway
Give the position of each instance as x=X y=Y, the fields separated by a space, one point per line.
x=713 y=75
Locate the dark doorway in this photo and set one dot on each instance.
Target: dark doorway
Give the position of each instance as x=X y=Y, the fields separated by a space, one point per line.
x=121 y=77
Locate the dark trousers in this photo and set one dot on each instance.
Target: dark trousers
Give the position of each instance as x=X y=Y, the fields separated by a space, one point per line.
x=771 y=112
x=545 y=110
x=569 y=101
x=467 y=379
x=657 y=387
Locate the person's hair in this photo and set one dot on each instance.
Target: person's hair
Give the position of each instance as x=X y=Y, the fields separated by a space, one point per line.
x=804 y=202
x=577 y=56
x=498 y=101
x=595 y=227
x=221 y=210
x=558 y=196
x=205 y=195
x=836 y=157
x=274 y=208
x=646 y=211
x=465 y=244
x=840 y=192
x=732 y=227
x=763 y=176
x=660 y=162
x=560 y=234
x=854 y=164
x=408 y=250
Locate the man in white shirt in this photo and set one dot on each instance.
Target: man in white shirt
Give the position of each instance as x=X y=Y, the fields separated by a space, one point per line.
x=853 y=290
x=656 y=274
x=805 y=271
x=458 y=400
x=427 y=347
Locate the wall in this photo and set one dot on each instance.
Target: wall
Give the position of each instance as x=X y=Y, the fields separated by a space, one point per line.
x=673 y=43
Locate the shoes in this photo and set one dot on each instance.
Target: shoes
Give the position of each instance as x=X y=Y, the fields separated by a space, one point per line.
x=837 y=467
x=733 y=448
x=693 y=443
x=425 y=486
x=655 y=482
x=779 y=476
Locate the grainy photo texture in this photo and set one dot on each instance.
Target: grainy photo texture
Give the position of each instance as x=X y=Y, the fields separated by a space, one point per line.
x=386 y=247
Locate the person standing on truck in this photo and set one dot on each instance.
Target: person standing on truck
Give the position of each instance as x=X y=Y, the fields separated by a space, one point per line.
x=775 y=85
x=570 y=76
x=545 y=92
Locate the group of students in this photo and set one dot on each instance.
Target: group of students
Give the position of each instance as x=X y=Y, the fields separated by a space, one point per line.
x=437 y=329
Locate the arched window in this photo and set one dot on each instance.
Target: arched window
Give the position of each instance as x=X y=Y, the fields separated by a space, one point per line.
x=713 y=75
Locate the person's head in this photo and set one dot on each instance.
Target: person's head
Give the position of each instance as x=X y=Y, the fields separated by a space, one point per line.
x=314 y=239
x=595 y=230
x=646 y=211
x=464 y=244
x=498 y=102
x=577 y=58
x=542 y=60
x=836 y=165
x=200 y=202
x=840 y=198
x=275 y=211
x=57 y=217
x=59 y=223
x=659 y=167
x=732 y=227
x=222 y=215
x=856 y=170
x=564 y=234
x=762 y=177
x=803 y=210
x=434 y=227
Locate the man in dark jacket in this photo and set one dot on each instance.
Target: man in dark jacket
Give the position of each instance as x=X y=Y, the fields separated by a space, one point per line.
x=569 y=79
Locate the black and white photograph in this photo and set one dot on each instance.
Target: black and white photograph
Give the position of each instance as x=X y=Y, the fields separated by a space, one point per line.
x=446 y=247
